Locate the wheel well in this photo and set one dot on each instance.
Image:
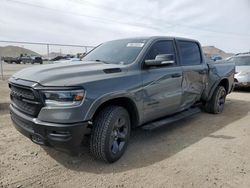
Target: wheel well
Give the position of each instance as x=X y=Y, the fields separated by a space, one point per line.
x=225 y=84
x=127 y=103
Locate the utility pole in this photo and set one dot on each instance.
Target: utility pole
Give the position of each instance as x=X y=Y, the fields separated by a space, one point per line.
x=48 y=51
x=1 y=67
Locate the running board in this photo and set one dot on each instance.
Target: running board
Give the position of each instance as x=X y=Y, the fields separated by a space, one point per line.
x=171 y=119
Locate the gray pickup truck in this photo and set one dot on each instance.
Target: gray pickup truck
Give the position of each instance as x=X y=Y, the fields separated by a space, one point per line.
x=118 y=86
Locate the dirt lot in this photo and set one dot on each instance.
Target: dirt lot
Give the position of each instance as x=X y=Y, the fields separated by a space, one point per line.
x=202 y=151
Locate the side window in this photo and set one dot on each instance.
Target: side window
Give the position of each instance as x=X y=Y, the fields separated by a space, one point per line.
x=189 y=53
x=161 y=47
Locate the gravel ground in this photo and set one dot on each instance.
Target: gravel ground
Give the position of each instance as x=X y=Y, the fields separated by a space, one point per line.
x=202 y=151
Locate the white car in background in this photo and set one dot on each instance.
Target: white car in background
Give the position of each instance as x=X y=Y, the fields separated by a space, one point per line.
x=242 y=69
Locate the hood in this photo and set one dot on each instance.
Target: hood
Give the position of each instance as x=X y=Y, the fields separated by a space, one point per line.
x=68 y=73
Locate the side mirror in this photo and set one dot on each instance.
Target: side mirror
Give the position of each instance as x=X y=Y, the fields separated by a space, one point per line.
x=161 y=59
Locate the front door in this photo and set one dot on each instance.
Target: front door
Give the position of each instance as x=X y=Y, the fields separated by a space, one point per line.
x=161 y=84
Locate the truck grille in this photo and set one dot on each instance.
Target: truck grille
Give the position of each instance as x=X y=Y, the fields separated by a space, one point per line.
x=25 y=100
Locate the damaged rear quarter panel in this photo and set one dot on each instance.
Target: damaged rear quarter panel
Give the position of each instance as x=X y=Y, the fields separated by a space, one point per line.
x=217 y=72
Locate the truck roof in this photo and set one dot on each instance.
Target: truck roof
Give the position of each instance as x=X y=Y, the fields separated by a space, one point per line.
x=160 y=37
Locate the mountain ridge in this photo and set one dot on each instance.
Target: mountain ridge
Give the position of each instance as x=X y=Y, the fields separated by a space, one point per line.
x=15 y=51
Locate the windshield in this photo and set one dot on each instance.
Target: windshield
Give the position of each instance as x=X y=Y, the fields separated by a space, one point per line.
x=117 y=52
x=242 y=61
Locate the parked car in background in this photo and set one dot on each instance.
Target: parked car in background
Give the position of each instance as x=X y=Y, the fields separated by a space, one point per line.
x=216 y=57
x=31 y=59
x=11 y=60
x=61 y=57
x=23 y=59
x=242 y=69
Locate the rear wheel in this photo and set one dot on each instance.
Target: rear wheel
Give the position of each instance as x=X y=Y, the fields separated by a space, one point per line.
x=216 y=104
x=110 y=134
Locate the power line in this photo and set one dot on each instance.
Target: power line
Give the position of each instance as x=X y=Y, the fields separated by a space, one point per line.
x=103 y=20
x=98 y=19
x=100 y=6
x=43 y=43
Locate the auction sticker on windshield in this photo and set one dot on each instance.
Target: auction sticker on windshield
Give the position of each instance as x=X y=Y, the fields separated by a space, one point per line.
x=136 y=45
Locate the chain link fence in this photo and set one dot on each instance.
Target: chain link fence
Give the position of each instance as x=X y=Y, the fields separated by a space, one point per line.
x=15 y=55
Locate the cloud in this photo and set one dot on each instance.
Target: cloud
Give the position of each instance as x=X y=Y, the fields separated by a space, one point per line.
x=222 y=23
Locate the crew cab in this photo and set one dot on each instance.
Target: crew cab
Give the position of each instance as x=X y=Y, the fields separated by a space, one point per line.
x=120 y=85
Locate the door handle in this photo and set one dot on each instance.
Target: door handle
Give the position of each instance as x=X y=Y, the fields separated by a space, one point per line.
x=202 y=72
x=176 y=75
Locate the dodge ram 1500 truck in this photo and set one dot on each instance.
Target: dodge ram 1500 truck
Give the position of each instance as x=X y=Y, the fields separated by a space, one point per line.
x=118 y=86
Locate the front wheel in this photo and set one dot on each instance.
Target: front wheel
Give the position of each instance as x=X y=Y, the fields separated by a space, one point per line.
x=110 y=134
x=216 y=104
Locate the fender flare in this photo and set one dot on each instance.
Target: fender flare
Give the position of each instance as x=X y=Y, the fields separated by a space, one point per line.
x=105 y=98
x=216 y=84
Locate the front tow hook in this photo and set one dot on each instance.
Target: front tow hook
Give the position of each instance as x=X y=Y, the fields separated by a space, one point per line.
x=37 y=139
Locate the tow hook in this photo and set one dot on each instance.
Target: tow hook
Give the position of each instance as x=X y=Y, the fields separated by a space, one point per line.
x=37 y=139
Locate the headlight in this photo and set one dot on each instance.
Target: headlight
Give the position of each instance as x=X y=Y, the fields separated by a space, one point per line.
x=63 y=98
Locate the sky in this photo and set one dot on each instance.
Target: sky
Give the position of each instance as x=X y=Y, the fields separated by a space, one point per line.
x=221 y=23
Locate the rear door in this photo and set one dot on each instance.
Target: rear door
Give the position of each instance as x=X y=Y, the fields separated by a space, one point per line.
x=161 y=84
x=194 y=72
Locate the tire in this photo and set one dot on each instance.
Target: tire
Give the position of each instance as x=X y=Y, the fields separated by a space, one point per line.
x=110 y=134
x=216 y=104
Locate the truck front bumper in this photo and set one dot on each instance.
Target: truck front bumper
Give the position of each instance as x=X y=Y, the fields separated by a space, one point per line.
x=68 y=137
